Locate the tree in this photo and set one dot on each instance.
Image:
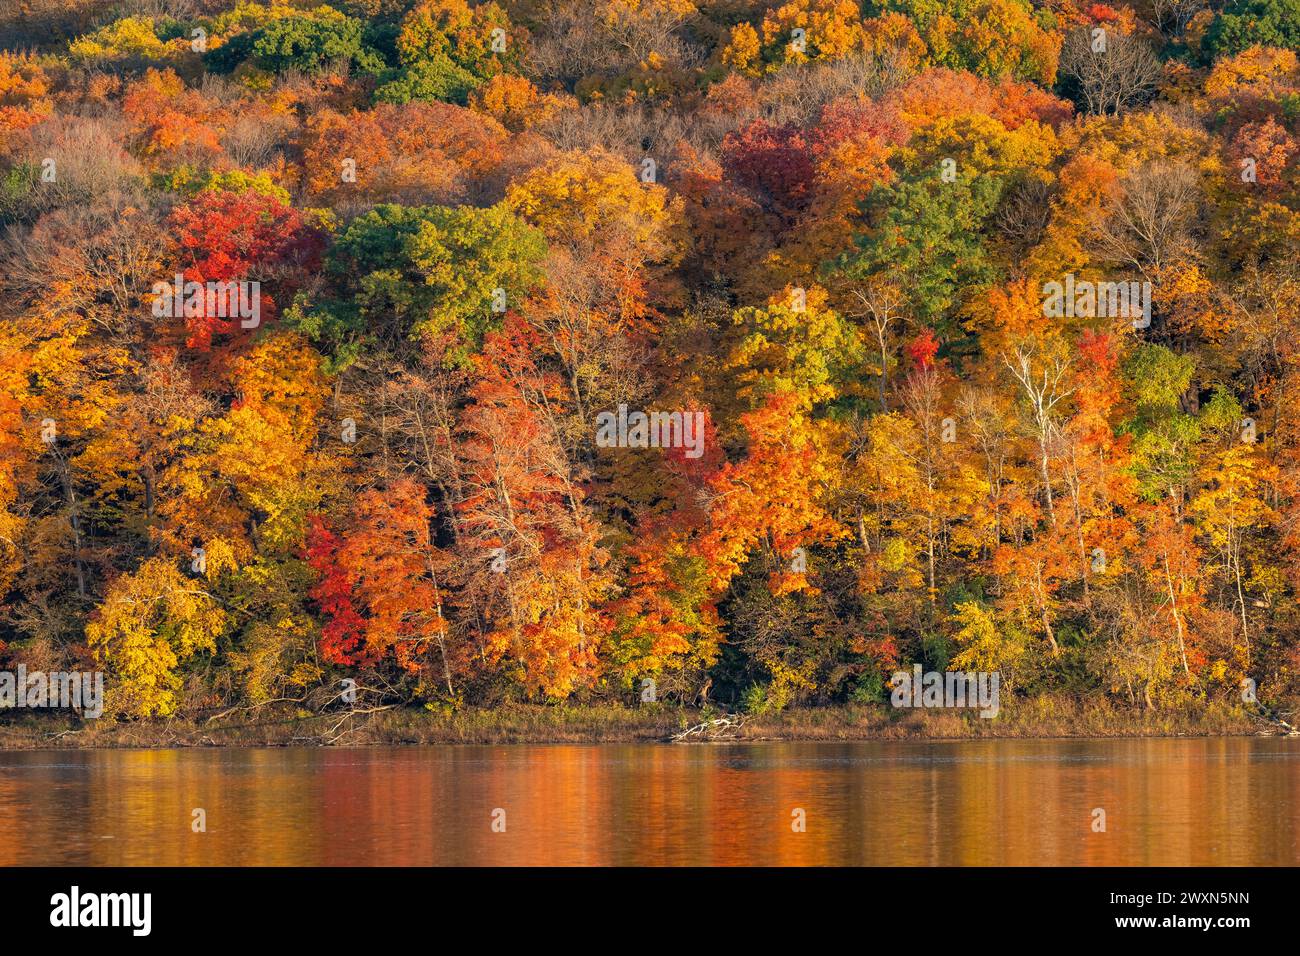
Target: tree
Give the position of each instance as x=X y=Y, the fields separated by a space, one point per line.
x=802 y=349
x=1109 y=71
x=229 y=237
x=388 y=566
x=985 y=646
x=529 y=547
x=1147 y=227
x=414 y=153
x=409 y=271
x=151 y=622
x=769 y=501
x=1163 y=434
x=24 y=93
x=1232 y=499
x=463 y=35
x=991 y=38
x=129 y=38
x=926 y=232
x=309 y=43
x=1247 y=23
x=831 y=30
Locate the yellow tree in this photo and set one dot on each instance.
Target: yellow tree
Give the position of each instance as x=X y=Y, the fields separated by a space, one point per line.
x=150 y=623
x=1231 y=503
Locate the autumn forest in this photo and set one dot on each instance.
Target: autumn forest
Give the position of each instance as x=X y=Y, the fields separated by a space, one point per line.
x=746 y=351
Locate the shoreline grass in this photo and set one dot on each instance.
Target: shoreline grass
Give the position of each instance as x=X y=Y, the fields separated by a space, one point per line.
x=537 y=724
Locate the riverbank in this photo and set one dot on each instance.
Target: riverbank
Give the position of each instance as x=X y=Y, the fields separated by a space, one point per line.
x=1043 y=718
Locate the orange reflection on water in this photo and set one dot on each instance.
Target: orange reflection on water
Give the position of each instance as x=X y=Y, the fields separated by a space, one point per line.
x=997 y=802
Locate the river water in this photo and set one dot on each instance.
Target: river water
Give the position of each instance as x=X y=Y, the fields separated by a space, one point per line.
x=1232 y=801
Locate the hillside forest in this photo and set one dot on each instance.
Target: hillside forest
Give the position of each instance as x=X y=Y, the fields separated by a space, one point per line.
x=964 y=329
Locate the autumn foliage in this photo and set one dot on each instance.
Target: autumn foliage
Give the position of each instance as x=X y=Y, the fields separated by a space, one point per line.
x=810 y=239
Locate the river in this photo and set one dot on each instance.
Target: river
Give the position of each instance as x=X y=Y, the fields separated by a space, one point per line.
x=1228 y=801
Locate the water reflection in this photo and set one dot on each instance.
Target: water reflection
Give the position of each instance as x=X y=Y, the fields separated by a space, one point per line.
x=1167 y=802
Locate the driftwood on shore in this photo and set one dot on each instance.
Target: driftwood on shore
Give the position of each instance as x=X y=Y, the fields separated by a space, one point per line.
x=720 y=728
x=1276 y=720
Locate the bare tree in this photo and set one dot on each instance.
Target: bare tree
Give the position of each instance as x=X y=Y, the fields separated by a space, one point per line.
x=1172 y=16
x=1025 y=213
x=76 y=159
x=634 y=132
x=797 y=94
x=47 y=24
x=177 y=9
x=252 y=142
x=882 y=304
x=1044 y=389
x=1149 y=224
x=645 y=28
x=586 y=38
x=1111 y=71
x=101 y=259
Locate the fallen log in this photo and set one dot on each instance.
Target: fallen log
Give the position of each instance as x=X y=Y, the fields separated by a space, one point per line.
x=1277 y=721
x=720 y=728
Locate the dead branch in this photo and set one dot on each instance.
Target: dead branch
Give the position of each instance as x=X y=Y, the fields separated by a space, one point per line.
x=720 y=728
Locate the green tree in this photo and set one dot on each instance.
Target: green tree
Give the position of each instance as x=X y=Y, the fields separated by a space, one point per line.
x=1163 y=435
x=926 y=234
x=1246 y=23
x=437 y=78
x=407 y=271
x=446 y=50
x=306 y=43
